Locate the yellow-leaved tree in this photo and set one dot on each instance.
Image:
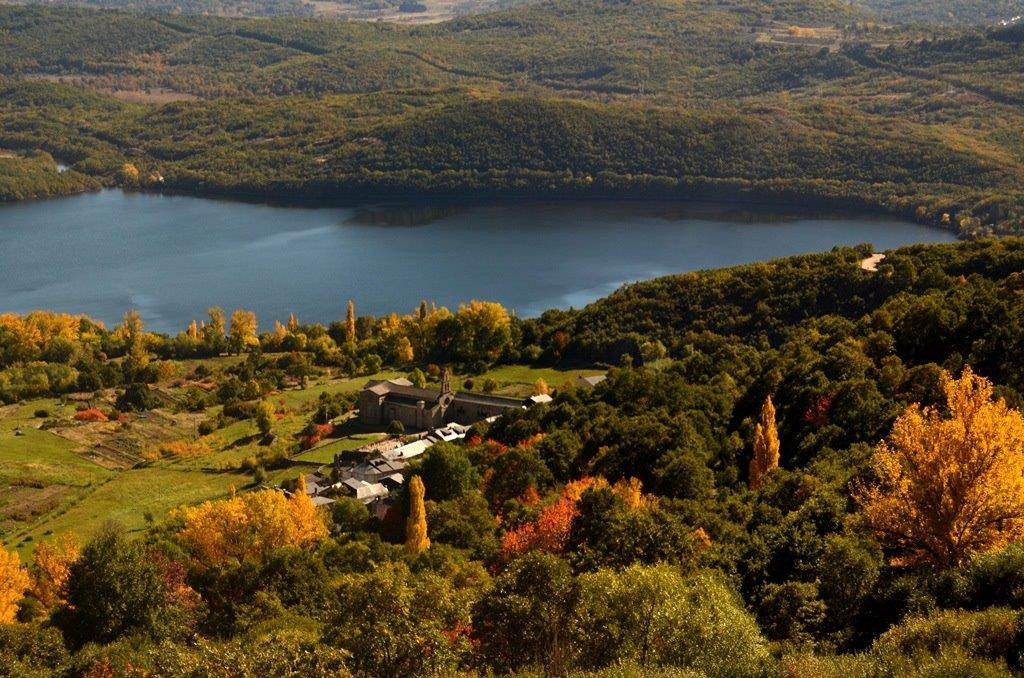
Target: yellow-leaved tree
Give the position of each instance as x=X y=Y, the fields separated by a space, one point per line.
x=13 y=583
x=416 y=539
x=766 y=447
x=51 y=566
x=350 y=322
x=248 y=526
x=950 y=487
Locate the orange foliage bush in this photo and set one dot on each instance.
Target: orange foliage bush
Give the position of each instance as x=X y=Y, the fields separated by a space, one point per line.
x=178 y=449
x=91 y=414
x=550 y=531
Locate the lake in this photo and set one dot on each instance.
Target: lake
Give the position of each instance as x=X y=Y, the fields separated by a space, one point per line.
x=172 y=257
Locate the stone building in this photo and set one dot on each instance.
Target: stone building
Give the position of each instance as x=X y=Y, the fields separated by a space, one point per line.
x=382 y=402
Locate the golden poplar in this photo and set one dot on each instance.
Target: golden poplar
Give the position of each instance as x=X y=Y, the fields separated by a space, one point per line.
x=766 y=447
x=949 y=488
x=242 y=334
x=14 y=581
x=307 y=524
x=416 y=540
x=350 y=323
x=404 y=352
x=540 y=387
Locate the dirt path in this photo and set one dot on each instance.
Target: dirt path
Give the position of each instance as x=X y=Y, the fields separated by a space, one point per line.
x=871 y=263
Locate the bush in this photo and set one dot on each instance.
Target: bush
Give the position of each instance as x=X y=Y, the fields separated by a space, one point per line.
x=91 y=414
x=658 y=617
x=396 y=427
x=41 y=414
x=991 y=634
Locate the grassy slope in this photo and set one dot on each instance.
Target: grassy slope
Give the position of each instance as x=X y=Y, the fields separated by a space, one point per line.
x=89 y=495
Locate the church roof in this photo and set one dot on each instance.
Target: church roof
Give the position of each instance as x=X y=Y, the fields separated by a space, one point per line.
x=481 y=399
x=401 y=390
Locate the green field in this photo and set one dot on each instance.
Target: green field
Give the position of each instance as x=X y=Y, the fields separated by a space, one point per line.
x=48 y=487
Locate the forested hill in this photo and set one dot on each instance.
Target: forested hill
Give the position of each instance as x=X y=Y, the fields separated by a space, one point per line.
x=780 y=476
x=951 y=12
x=595 y=97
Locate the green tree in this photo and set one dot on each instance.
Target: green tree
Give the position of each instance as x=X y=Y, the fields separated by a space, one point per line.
x=447 y=472
x=114 y=588
x=523 y=620
x=394 y=623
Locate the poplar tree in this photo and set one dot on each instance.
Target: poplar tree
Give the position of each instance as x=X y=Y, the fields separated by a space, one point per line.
x=350 y=323
x=416 y=540
x=766 y=447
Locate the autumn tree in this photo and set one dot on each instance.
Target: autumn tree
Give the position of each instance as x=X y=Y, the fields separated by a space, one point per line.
x=265 y=417
x=540 y=387
x=416 y=540
x=484 y=330
x=14 y=581
x=133 y=334
x=350 y=322
x=214 y=333
x=404 y=353
x=242 y=335
x=51 y=565
x=248 y=526
x=766 y=447
x=950 y=487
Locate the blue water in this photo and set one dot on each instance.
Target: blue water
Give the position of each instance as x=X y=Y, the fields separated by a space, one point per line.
x=172 y=257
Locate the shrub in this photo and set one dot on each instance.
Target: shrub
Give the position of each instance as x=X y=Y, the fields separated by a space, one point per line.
x=91 y=414
x=991 y=634
x=656 y=616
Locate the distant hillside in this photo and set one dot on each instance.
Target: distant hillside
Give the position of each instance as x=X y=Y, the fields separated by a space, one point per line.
x=400 y=11
x=948 y=12
x=807 y=98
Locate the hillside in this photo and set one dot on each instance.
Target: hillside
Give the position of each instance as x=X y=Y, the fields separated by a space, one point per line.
x=949 y=12
x=728 y=473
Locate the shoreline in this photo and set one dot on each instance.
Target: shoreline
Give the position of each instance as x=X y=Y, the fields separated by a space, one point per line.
x=381 y=199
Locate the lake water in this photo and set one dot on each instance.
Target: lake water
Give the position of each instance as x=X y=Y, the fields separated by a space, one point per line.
x=173 y=257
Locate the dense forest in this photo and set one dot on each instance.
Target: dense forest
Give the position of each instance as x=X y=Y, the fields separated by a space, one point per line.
x=596 y=98
x=793 y=468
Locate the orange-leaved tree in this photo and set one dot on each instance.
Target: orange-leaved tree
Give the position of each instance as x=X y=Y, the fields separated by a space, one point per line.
x=13 y=582
x=416 y=539
x=51 y=566
x=248 y=526
x=950 y=487
x=766 y=447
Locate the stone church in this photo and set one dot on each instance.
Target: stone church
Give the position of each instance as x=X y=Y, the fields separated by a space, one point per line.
x=382 y=402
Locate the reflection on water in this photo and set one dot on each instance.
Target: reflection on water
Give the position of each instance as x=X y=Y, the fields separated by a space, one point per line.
x=172 y=257
x=403 y=215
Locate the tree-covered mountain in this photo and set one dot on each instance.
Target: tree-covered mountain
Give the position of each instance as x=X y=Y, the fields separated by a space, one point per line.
x=804 y=97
